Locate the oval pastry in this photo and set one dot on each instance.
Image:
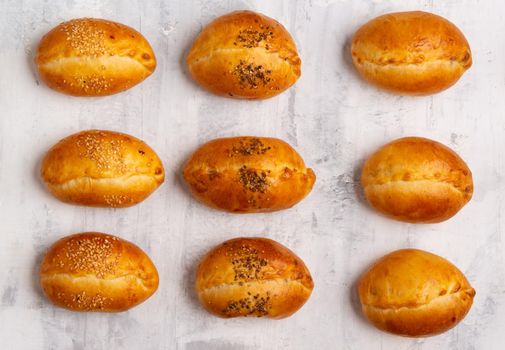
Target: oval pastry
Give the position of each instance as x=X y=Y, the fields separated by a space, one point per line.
x=411 y=53
x=417 y=180
x=252 y=277
x=248 y=174
x=93 y=57
x=97 y=272
x=244 y=55
x=102 y=169
x=414 y=293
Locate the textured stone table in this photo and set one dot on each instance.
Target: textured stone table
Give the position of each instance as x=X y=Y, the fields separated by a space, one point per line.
x=331 y=116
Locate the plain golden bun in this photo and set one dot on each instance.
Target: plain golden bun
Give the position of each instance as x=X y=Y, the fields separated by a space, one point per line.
x=102 y=169
x=248 y=175
x=93 y=57
x=97 y=272
x=417 y=180
x=411 y=53
x=252 y=277
x=244 y=55
x=414 y=293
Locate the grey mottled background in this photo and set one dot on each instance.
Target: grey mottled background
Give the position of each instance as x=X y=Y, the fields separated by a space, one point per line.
x=333 y=119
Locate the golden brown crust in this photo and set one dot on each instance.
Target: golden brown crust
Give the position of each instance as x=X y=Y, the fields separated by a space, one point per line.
x=414 y=293
x=244 y=55
x=93 y=57
x=411 y=53
x=252 y=277
x=248 y=174
x=102 y=168
x=97 y=272
x=417 y=180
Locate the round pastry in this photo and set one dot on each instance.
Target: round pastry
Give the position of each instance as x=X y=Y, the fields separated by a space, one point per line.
x=244 y=55
x=97 y=272
x=411 y=53
x=414 y=293
x=252 y=277
x=102 y=169
x=417 y=180
x=93 y=57
x=248 y=175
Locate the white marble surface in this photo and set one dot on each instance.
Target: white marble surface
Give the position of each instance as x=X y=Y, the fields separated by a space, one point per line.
x=334 y=120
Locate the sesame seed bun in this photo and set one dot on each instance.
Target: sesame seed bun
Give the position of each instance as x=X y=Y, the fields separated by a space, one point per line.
x=102 y=169
x=252 y=277
x=93 y=57
x=97 y=272
x=248 y=175
x=244 y=55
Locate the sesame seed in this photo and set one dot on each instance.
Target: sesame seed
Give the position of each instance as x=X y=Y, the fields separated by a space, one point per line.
x=105 y=152
x=92 y=254
x=84 y=36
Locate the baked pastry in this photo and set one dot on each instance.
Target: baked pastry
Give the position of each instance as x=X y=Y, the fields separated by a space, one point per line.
x=414 y=293
x=244 y=55
x=252 y=277
x=93 y=57
x=97 y=272
x=417 y=180
x=411 y=53
x=102 y=169
x=248 y=175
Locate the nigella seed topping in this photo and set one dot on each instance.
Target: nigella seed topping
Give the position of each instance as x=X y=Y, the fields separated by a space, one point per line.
x=252 y=180
x=251 y=75
x=251 y=37
x=249 y=147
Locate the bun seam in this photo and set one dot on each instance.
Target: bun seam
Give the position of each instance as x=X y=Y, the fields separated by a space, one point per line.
x=232 y=284
x=65 y=275
x=450 y=184
x=207 y=57
x=67 y=183
x=468 y=291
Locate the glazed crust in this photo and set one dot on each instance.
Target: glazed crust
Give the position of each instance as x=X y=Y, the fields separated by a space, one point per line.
x=252 y=277
x=414 y=293
x=248 y=174
x=411 y=53
x=244 y=55
x=102 y=168
x=97 y=272
x=93 y=57
x=417 y=180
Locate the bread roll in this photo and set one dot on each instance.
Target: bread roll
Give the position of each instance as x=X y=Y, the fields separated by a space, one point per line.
x=244 y=55
x=252 y=277
x=93 y=57
x=248 y=175
x=97 y=272
x=417 y=180
x=414 y=293
x=102 y=169
x=411 y=53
